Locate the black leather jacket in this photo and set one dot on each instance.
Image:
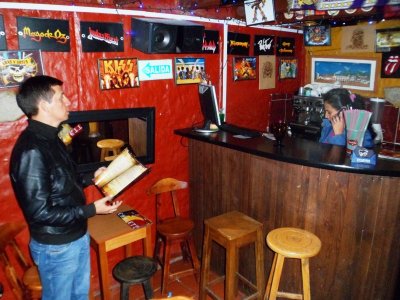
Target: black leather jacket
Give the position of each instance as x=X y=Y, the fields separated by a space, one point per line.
x=47 y=187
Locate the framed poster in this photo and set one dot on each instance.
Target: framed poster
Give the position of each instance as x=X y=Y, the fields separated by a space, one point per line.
x=259 y=11
x=358 y=39
x=354 y=74
x=189 y=70
x=319 y=35
x=16 y=66
x=287 y=68
x=244 y=68
x=44 y=34
x=118 y=73
x=266 y=72
x=387 y=39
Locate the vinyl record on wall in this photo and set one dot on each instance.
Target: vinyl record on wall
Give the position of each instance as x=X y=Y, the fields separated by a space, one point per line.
x=210 y=42
x=285 y=46
x=264 y=45
x=3 y=44
x=238 y=43
x=44 y=34
x=102 y=37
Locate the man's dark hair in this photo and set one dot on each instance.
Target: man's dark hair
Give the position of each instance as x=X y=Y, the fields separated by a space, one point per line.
x=34 y=89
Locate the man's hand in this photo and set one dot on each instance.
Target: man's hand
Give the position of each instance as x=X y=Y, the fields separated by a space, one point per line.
x=106 y=206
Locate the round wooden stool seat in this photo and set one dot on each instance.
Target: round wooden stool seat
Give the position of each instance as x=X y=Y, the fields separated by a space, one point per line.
x=135 y=270
x=109 y=145
x=176 y=227
x=289 y=242
x=293 y=242
x=32 y=284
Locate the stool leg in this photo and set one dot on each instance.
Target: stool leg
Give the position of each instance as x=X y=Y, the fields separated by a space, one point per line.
x=271 y=274
x=205 y=263
x=148 y=290
x=230 y=272
x=124 y=292
x=277 y=277
x=259 y=252
x=305 y=272
x=166 y=261
x=193 y=255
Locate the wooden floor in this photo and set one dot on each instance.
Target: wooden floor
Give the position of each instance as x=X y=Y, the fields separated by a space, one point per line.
x=184 y=286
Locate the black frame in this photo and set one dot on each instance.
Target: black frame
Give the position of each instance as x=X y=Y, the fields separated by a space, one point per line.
x=147 y=113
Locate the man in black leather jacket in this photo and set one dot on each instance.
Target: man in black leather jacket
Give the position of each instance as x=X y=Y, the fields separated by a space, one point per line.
x=50 y=193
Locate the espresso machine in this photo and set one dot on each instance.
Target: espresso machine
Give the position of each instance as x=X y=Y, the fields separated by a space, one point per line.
x=307 y=117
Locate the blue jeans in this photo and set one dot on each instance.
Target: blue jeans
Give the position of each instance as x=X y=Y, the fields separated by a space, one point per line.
x=64 y=269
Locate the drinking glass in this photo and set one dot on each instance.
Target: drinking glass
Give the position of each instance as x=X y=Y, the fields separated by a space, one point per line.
x=279 y=132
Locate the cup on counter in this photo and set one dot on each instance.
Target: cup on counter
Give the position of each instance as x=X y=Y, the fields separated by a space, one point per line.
x=354 y=138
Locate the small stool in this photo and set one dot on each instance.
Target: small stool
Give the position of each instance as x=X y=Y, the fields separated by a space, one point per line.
x=232 y=231
x=135 y=270
x=108 y=146
x=291 y=243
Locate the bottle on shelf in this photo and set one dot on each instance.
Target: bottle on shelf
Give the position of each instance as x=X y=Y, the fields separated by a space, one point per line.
x=67 y=133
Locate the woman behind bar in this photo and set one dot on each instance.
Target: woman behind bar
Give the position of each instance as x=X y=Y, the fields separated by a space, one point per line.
x=334 y=126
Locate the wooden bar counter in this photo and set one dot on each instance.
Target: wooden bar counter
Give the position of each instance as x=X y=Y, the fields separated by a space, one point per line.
x=355 y=211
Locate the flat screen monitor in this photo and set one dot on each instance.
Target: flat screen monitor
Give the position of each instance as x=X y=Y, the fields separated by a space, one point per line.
x=209 y=106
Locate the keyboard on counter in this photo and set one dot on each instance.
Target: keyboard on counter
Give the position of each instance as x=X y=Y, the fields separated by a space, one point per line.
x=236 y=130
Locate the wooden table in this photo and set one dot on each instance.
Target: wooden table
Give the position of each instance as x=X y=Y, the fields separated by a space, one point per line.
x=109 y=232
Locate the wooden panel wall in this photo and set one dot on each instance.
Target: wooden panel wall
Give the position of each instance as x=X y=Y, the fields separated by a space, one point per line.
x=355 y=216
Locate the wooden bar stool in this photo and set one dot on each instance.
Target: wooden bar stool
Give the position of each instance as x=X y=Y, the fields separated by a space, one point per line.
x=232 y=231
x=109 y=146
x=135 y=270
x=288 y=242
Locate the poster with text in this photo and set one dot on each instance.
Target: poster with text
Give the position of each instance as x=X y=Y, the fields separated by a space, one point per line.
x=18 y=65
x=285 y=46
x=44 y=34
x=266 y=72
x=118 y=73
x=287 y=68
x=210 y=42
x=264 y=45
x=102 y=37
x=238 y=43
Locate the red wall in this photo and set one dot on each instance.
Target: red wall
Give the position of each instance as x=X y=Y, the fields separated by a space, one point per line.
x=176 y=106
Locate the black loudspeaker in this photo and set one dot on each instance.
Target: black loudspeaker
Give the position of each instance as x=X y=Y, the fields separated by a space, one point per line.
x=166 y=36
x=190 y=39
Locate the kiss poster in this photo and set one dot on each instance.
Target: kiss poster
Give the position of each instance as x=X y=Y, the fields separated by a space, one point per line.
x=264 y=45
x=102 y=37
x=18 y=65
x=3 y=44
x=118 y=73
x=210 y=42
x=238 y=43
x=390 y=65
x=44 y=34
x=285 y=46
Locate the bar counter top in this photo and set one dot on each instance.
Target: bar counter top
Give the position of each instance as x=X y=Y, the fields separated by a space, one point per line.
x=297 y=151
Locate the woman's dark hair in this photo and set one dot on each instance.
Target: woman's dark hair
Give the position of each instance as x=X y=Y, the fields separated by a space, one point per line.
x=34 y=89
x=342 y=99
